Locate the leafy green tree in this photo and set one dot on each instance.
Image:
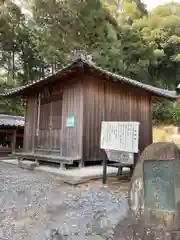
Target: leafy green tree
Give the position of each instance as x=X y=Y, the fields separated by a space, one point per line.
x=161 y=30
x=121 y=36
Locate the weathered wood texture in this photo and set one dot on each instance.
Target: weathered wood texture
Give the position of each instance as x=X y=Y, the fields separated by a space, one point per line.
x=53 y=135
x=108 y=101
x=91 y=100
x=30 y=123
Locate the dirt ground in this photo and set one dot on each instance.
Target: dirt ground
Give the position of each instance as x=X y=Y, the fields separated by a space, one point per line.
x=34 y=204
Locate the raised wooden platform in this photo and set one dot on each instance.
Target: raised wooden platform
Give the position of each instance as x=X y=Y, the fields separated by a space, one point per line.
x=48 y=158
x=4 y=152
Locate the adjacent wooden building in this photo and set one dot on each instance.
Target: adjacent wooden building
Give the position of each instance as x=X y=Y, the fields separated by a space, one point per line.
x=64 y=111
x=11 y=134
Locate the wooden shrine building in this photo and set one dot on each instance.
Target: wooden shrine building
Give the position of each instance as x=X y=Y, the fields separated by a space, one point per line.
x=64 y=111
x=11 y=134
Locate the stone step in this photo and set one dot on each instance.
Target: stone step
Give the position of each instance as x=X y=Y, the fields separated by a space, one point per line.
x=27 y=164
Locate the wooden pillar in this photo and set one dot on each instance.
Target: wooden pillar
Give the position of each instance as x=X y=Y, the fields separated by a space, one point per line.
x=103 y=151
x=37 y=121
x=50 y=127
x=13 y=143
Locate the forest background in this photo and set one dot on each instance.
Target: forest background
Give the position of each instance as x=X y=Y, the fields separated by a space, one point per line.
x=120 y=35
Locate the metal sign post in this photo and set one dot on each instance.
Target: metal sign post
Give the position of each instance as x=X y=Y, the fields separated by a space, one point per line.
x=104 y=169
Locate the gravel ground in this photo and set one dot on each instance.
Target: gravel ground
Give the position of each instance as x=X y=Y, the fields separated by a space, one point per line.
x=32 y=204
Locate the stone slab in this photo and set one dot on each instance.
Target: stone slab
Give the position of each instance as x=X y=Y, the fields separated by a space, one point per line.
x=10 y=161
x=77 y=176
x=72 y=176
x=27 y=165
x=6 y=158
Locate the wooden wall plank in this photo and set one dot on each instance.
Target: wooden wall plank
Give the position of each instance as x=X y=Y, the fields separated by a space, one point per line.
x=90 y=100
x=108 y=101
x=58 y=139
x=30 y=124
x=71 y=140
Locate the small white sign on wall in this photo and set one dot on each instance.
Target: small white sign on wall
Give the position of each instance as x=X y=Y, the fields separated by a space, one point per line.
x=70 y=122
x=120 y=136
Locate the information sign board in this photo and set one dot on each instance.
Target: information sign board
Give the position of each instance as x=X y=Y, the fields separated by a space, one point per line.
x=120 y=136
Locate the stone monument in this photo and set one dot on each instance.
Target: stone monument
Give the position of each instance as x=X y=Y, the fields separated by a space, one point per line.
x=154 y=195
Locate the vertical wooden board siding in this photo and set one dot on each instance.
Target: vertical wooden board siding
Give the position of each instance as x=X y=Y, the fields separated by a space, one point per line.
x=134 y=107
x=93 y=115
x=25 y=128
x=97 y=116
x=144 y=116
x=30 y=124
x=44 y=139
x=56 y=137
x=108 y=101
x=72 y=106
x=34 y=128
x=85 y=152
x=65 y=141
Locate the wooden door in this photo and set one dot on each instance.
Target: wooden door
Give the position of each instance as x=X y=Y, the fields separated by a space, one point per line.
x=43 y=136
x=50 y=123
x=56 y=123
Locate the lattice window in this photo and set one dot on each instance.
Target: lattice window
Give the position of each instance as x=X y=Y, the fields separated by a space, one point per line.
x=45 y=93
x=50 y=111
x=44 y=116
x=45 y=110
x=57 y=112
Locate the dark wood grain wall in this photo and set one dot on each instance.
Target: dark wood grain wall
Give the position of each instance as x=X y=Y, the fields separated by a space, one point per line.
x=94 y=114
x=71 y=138
x=109 y=101
x=90 y=100
x=30 y=124
x=58 y=140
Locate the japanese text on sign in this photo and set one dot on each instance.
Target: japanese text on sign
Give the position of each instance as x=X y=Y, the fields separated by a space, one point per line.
x=118 y=156
x=120 y=136
x=159 y=185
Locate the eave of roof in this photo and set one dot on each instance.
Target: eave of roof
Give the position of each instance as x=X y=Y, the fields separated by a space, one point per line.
x=80 y=63
x=11 y=121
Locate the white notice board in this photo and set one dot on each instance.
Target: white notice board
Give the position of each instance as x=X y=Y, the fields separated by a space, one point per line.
x=118 y=156
x=120 y=136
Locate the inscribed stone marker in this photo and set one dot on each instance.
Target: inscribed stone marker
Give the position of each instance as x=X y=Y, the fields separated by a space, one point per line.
x=158 y=176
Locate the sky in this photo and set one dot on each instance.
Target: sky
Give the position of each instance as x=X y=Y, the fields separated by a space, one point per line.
x=154 y=3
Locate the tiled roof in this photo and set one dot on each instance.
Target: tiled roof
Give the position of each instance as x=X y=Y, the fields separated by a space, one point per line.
x=80 y=64
x=13 y=121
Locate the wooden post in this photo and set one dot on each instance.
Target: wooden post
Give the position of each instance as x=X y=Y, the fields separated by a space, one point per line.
x=50 y=128
x=136 y=158
x=104 y=168
x=37 y=120
x=13 y=143
x=38 y=114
